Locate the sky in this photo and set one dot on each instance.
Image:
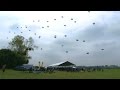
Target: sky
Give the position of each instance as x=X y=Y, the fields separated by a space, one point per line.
x=76 y=25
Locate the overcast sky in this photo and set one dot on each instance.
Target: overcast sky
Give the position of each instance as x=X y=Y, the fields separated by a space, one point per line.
x=104 y=34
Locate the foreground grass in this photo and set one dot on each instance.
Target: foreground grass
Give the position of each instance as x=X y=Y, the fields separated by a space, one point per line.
x=107 y=74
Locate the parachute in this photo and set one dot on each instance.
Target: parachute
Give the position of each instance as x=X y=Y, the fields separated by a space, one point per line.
x=83 y=40
x=55 y=36
x=66 y=51
x=77 y=40
x=87 y=53
x=65 y=35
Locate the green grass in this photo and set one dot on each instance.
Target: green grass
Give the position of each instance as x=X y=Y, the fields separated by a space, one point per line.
x=107 y=74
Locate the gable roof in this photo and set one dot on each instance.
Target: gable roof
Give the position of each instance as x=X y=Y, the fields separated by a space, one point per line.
x=56 y=64
x=66 y=63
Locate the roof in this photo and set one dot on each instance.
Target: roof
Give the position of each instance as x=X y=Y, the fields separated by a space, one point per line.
x=61 y=63
x=56 y=64
x=27 y=66
x=24 y=66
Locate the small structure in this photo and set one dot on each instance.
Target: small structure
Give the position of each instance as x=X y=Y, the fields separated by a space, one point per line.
x=28 y=66
x=24 y=67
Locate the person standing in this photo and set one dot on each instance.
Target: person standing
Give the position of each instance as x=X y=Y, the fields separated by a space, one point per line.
x=3 y=68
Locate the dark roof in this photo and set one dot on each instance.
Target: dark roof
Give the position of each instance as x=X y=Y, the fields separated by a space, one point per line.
x=67 y=63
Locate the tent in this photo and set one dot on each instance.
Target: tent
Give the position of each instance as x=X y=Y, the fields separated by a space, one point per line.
x=62 y=64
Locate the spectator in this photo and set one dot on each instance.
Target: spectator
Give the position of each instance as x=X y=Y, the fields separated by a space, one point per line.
x=3 y=68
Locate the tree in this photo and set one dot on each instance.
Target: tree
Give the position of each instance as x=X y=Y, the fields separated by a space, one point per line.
x=10 y=58
x=22 y=46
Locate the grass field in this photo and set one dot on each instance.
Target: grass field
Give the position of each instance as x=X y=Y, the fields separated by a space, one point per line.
x=106 y=74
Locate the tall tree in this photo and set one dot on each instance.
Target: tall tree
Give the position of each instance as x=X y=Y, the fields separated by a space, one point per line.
x=22 y=46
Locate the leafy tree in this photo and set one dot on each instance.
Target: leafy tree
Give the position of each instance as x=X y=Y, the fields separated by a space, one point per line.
x=22 y=46
x=10 y=58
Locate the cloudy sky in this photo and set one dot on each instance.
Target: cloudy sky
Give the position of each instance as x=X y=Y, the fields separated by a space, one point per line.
x=76 y=25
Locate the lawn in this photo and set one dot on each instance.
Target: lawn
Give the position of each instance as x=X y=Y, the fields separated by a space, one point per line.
x=106 y=74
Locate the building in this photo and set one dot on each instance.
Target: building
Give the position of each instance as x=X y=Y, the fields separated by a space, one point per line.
x=24 y=67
